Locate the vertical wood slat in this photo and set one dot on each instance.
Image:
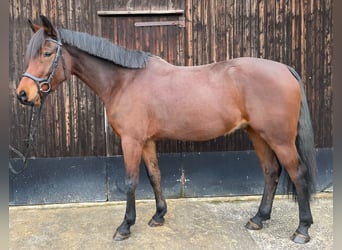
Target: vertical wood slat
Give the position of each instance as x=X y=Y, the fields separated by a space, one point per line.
x=189 y=35
x=295 y=32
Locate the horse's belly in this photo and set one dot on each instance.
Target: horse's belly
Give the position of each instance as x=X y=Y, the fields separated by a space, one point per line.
x=196 y=112
x=199 y=129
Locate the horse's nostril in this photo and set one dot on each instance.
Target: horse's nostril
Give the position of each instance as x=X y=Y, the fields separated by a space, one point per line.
x=22 y=96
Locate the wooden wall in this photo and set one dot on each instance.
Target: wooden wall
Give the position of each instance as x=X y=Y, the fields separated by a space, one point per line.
x=295 y=32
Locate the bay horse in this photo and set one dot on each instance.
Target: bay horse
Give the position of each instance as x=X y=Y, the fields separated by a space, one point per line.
x=147 y=99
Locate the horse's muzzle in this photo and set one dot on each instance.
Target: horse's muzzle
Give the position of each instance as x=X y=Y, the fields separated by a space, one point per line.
x=23 y=98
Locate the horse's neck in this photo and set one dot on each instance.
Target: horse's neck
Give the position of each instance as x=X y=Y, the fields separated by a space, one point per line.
x=100 y=75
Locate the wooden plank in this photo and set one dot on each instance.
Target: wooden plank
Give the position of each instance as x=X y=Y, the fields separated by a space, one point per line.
x=205 y=32
x=229 y=20
x=212 y=31
x=138 y=12
x=189 y=34
x=179 y=23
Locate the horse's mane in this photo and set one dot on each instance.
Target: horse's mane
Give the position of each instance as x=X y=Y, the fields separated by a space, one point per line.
x=92 y=45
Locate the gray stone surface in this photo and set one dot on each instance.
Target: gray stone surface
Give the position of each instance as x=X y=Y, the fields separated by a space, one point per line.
x=213 y=223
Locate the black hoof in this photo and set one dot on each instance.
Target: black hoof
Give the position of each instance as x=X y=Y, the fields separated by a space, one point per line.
x=300 y=238
x=119 y=237
x=253 y=226
x=154 y=223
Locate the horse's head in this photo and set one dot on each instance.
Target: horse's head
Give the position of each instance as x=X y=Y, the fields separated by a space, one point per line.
x=46 y=64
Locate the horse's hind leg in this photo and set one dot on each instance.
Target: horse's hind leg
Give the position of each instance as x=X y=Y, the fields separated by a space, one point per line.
x=153 y=173
x=271 y=170
x=288 y=156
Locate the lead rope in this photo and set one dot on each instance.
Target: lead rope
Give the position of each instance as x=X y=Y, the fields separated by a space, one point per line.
x=29 y=140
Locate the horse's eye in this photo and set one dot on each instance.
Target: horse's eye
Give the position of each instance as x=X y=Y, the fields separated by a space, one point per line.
x=47 y=54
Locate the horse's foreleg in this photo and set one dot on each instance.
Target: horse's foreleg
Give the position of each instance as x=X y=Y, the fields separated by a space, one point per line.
x=132 y=151
x=153 y=173
x=271 y=171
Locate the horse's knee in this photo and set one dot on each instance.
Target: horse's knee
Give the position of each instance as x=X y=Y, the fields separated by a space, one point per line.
x=131 y=183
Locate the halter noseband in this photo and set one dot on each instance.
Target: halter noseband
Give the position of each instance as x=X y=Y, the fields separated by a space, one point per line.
x=46 y=82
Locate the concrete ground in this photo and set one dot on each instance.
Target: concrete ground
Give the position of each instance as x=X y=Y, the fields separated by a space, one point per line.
x=205 y=223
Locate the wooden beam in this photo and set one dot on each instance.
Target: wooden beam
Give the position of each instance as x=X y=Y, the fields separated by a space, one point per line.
x=138 y=12
x=180 y=23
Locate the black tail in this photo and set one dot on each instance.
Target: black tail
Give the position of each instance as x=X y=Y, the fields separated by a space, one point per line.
x=305 y=144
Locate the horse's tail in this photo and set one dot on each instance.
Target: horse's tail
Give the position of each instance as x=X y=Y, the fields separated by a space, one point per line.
x=305 y=145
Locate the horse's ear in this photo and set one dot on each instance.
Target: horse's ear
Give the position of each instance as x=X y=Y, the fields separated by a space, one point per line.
x=48 y=27
x=33 y=26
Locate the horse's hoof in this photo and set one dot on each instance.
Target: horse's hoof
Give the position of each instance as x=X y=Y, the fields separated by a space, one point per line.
x=119 y=237
x=253 y=226
x=153 y=223
x=300 y=238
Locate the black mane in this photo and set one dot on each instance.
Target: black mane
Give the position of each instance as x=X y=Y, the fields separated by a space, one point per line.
x=92 y=45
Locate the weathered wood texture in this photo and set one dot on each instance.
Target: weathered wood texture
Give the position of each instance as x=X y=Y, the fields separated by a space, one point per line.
x=295 y=32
